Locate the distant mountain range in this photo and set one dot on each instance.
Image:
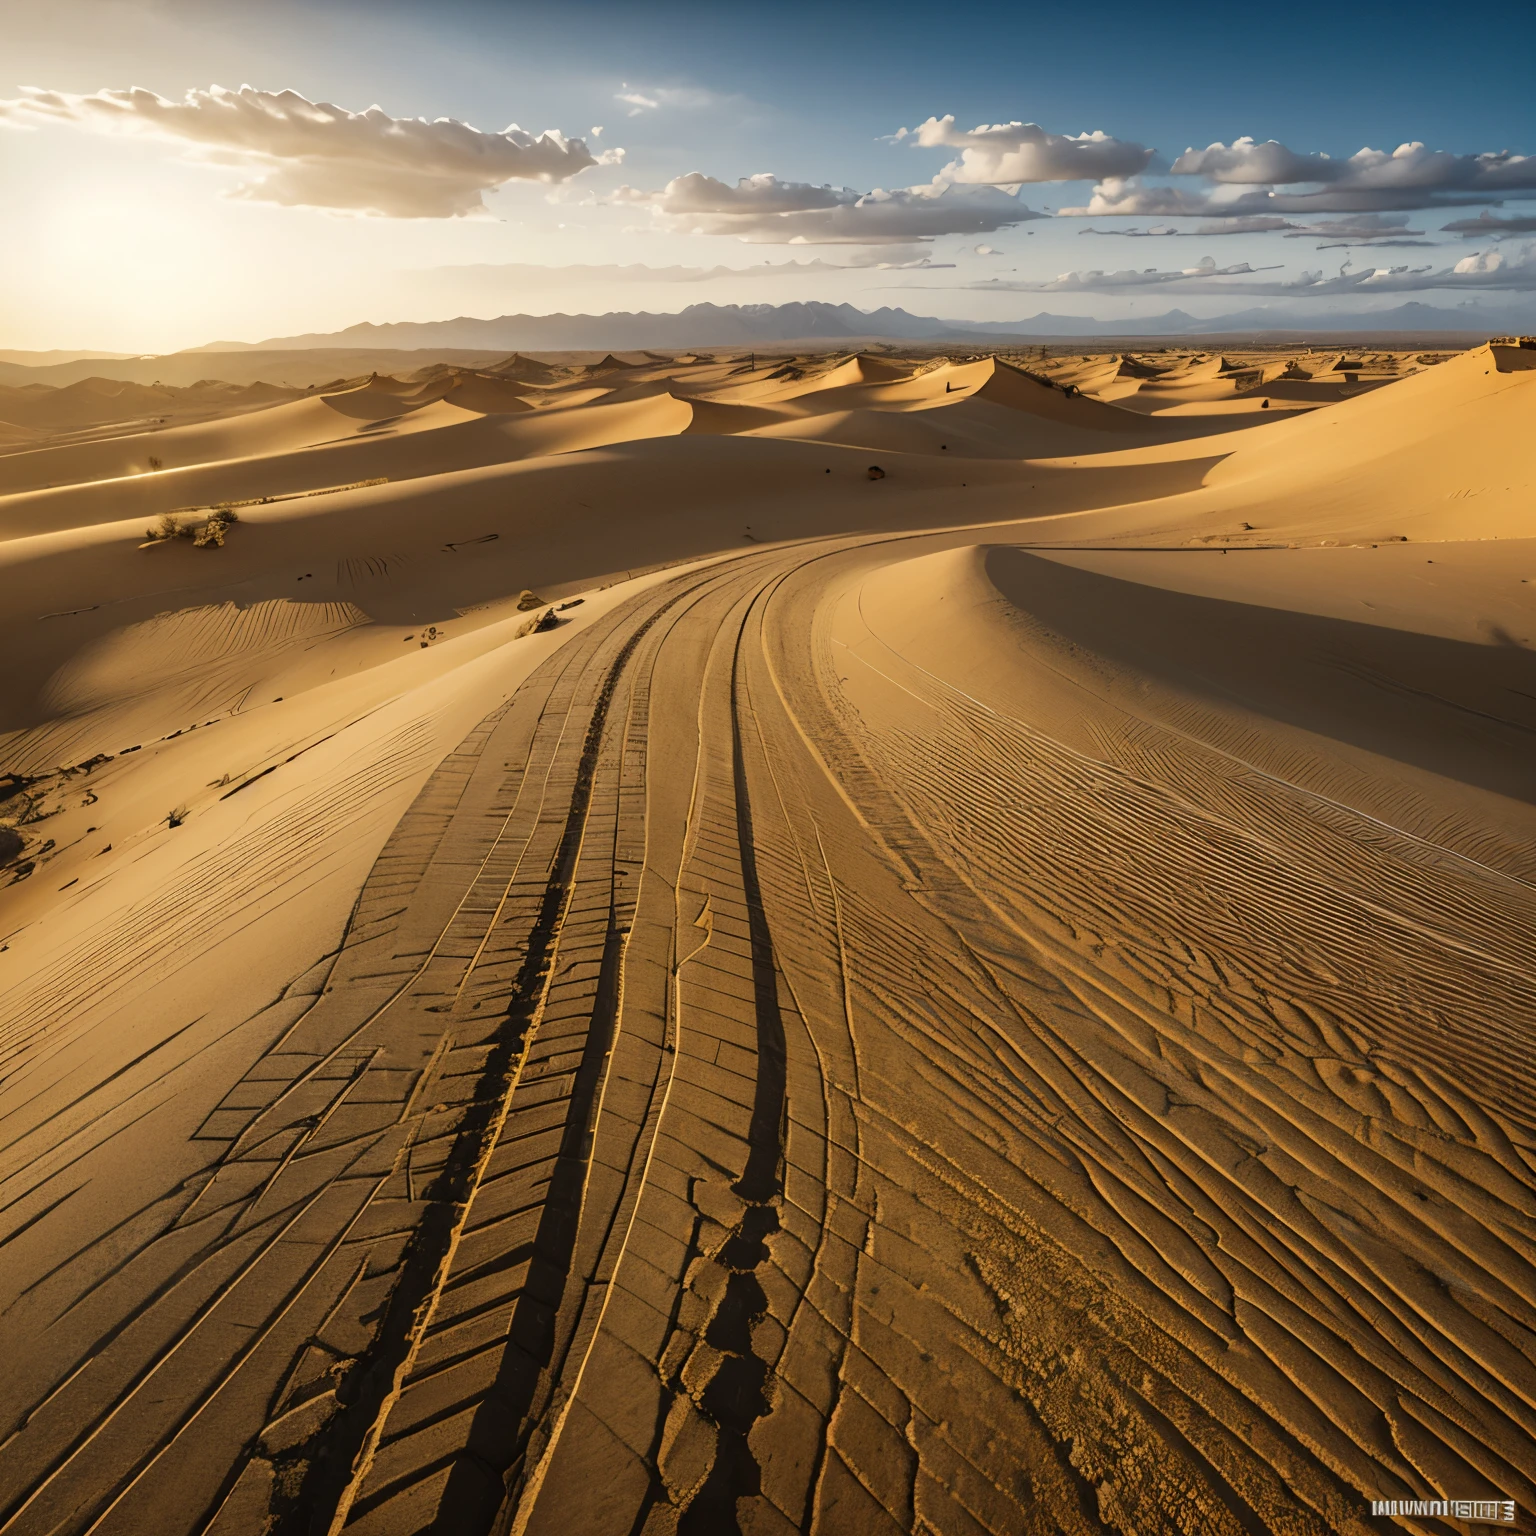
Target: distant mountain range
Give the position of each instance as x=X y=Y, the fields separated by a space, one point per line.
x=404 y=347
x=57 y=355
x=716 y=325
x=699 y=325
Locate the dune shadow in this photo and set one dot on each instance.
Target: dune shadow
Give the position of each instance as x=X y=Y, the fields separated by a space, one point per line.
x=1451 y=707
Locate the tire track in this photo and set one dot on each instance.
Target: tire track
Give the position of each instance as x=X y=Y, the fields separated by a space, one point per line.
x=468 y=1497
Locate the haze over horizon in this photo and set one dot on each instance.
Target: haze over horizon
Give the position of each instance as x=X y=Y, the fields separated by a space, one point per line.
x=184 y=174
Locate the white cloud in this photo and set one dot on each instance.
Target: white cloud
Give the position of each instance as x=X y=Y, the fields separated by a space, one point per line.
x=1149 y=277
x=654 y=98
x=1012 y=154
x=764 y=210
x=1482 y=271
x=1409 y=167
x=1249 y=179
x=757 y=196
x=1495 y=269
x=1131 y=197
x=918 y=263
x=1370 y=181
x=1249 y=162
x=316 y=155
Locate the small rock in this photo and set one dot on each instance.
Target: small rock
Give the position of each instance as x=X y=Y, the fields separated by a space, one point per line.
x=546 y=620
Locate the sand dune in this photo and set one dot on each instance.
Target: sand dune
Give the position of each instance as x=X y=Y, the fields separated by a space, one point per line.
x=415 y=441
x=995 y=996
x=527 y=370
x=276 y=430
x=1201 y=384
x=477 y=392
x=14 y=436
x=1434 y=453
x=95 y=402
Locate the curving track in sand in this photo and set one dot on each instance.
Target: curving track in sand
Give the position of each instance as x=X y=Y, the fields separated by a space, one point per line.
x=769 y=1085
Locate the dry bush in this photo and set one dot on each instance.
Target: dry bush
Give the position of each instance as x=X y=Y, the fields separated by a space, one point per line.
x=211 y=534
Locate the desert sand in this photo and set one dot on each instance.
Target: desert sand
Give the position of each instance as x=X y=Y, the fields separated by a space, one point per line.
x=843 y=944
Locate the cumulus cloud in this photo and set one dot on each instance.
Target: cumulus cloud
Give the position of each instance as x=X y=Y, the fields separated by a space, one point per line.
x=764 y=210
x=314 y=154
x=1012 y=154
x=1409 y=167
x=1130 y=196
x=1248 y=162
x=1247 y=179
x=1129 y=281
x=1120 y=197
x=1491 y=225
x=1483 y=271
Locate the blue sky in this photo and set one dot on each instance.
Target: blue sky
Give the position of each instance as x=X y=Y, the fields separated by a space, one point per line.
x=140 y=232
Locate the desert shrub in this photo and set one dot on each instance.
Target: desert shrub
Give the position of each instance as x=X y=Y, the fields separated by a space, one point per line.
x=211 y=534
